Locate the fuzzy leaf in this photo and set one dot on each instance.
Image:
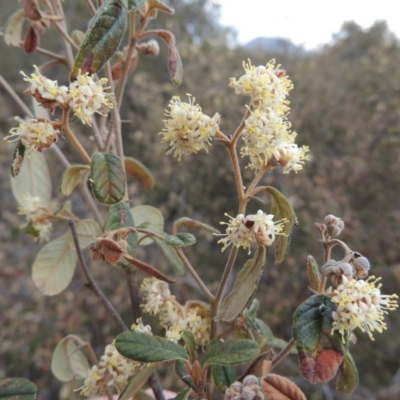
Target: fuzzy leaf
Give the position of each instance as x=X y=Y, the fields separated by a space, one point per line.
x=139 y=171
x=244 y=287
x=137 y=381
x=348 y=375
x=313 y=272
x=17 y=389
x=183 y=373
x=276 y=387
x=224 y=376
x=180 y=240
x=146 y=348
x=132 y=5
x=189 y=340
x=281 y=208
x=230 y=352
x=108 y=178
x=195 y=224
x=13 y=31
x=102 y=39
x=120 y=216
x=54 y=266
x=171 y=255
x=31 y=41
x=320 y=353
x=18 y=159
x=34 y=179
x=68 y=362
x=149 y=216
x=71 y=178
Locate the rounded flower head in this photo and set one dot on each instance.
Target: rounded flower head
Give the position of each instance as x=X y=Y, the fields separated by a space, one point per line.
x=89 y=97
x=244 y=230
x=155 y=294
x=45 y=91
x=360 y=304
x=266 y=85
x=35 y=134
x=187 y=129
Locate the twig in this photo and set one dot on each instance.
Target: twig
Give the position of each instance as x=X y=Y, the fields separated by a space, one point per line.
x=91 y=6
x=133 y=293
x=93 y=285
x=156 y=387
x=15 y=97
x=284 y=352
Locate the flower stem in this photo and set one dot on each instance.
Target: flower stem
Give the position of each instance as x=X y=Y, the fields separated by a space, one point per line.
x=283 y=354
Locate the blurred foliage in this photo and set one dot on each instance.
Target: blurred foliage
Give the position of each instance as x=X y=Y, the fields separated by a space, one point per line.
x=345 y=106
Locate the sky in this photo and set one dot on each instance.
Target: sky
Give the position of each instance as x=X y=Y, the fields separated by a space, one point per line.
x=307 y=22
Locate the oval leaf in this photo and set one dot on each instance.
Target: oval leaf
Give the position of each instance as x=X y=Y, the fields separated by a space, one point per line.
x=276 y=387
x=108 y=178
x=102 y=38
x=313 y=272
x=139 y=171
x=13 y=31
x=68 y=362
x=224 y=376
x=320 y=353
x=183 y=373
x=150 y=218
x=190 y=341
x=348 y=375
x=54 y=266
x=195 y=224
x=17 y=389
x=18 y=159
x=71 y=178
x=146 y=348
x=230 y=352
x=180 y=239
x=281 y=208
x=34 y=179
x=244 y=288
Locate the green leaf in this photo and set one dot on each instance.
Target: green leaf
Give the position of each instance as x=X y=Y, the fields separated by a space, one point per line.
x=87 y=230
x=17 y=389
x=146 y=348
x=68 y=362
x=320 y=352
x=258 y=325
x=230 y=352
x=139 y=171
x=108 y=178
x=183 y=373
x=174 y=60
x=244 y=287
x=348 y=375
x=171 y=255
x=102 y=39
x=224 y=376
x=71 y=178
x=137 y=381
x=54 y=266
x=195 y=224
x=180 y=240
x=132 y=5
x=34 y=179
x=151 y=217
x=313 y=272
x=281 y=208
x=182 y=395
x=120 y=216
x=189 y=340
x=18 y=159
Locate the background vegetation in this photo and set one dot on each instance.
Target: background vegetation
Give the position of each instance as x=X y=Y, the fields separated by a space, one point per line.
x=345 y=106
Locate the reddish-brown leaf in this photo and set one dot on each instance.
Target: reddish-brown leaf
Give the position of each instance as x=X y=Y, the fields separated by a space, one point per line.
x=276 y=387
x=31 y=42
x=117 y=68
x=31 y=9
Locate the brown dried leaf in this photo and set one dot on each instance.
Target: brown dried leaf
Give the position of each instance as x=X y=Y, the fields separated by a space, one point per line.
x=117 y=68
x=31 y=42
x=31 y=9
x=106 y=249
x=276 y=387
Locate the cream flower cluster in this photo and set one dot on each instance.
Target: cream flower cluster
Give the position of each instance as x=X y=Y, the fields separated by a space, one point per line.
x=187 y=129
x=113 y=371
x=360 y=304
x=174 y=317
x=37 y=216
x=243 y=230
x=267 y=134
x=35 y=134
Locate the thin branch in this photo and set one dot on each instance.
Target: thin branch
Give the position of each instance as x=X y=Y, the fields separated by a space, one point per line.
x=93 y=285
x=133 y=293
x=15 y=97
x=156 y=387
x=91 y=6
x=283 y=354
x=238 y=177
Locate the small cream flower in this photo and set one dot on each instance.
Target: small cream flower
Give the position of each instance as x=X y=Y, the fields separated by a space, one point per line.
x=155 y=294
x=37 y=217
x=360 y=304
x=188 y=130
x=113 y=371
x=267 y=86
x=34 y=134
x=46 y=91
x=244 y=230
x=140 y=327
x=89 y=97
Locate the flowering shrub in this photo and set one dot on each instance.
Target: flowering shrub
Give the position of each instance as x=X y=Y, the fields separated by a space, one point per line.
x=204 y=337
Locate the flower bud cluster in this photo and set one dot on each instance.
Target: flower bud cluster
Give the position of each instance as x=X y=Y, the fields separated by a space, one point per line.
x=248 y=390
x=334 y=225
x=267 y=134
x=244 y=230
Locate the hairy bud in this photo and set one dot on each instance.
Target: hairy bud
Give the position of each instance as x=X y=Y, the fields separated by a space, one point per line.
x=248 y=390
x=334 y=225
